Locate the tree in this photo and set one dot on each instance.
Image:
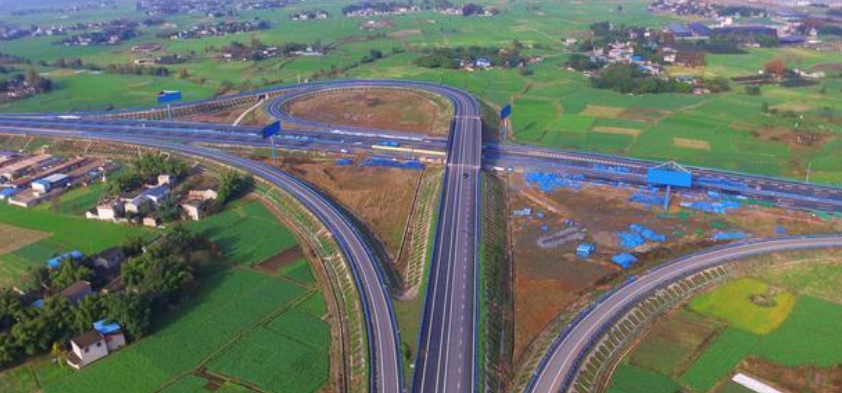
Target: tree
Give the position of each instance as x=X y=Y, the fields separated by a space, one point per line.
x=168 y=210
x=132 y=245
x=776 y=67
x=231 y=185
x=67 y=273
x=131 y=312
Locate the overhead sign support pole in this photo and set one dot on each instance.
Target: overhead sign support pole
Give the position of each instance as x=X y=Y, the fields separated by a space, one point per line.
x=505 y=113
x=168 y=97
x=269 y=132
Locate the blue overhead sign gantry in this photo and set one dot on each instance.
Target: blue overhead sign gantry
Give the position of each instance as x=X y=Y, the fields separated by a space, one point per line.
x=670 y=174
x=506 y=112
x=167 y=96
x=271 y=130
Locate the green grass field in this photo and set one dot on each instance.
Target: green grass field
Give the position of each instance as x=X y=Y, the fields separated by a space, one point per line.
x=719 y=358
x=631 y=379
x=732 y=302
x=246 y=232
x=66 y=232
x=227 y=309
x=673 y=344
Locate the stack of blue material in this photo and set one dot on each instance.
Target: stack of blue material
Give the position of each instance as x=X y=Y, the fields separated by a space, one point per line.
x=720 y=207
x=585 y=250
x=648 y=234
x=344 y=161
x=548 y=182
x=721 y=182
x=606 y=168
x=414 y=165
x=525 y=212
x=624 y=260
x=630 y=240
x=734 y=235
x=647 y=199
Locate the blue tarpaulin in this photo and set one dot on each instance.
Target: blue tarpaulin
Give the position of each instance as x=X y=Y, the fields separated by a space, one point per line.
x=585 y=250
x=385 y=162
x=720 y=207
x=53 y=263
x=624 y=260
x=630 y=240
x=105 y=328
x=647 y=233
x=547 y=182
x=734 y=235
x=344 y=161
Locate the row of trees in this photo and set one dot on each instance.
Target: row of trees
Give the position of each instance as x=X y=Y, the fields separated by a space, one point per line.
x=144 y=170
x=453 y=57
x=627 y=78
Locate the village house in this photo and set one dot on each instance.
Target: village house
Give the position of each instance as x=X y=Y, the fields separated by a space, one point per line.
x=77 y=291
x=95 y=344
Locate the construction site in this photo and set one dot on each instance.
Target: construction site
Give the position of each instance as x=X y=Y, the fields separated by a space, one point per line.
x=572 y=236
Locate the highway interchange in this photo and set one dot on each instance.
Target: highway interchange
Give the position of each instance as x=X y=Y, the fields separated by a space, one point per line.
x=447 y=359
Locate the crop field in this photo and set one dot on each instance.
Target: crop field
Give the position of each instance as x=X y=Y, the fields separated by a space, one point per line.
x=631 y=379
x=731 y=125
x=800 y=349
x=225 y=312
x=246 y=232
x=736 y=303
x=672 y=345
x=36 y=235
x=718 y=359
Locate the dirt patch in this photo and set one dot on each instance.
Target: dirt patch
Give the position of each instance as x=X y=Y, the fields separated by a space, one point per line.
x=617 y=130
x=825 y=67
x=606 y=112
x=381 y=198
x=800 y=379
x=686 y=143
x=405 y=33
x=793 y=139
x=15 y=238
x=272 y=265
x=644 y=114
x=225 y=116
x=387 y=109
x=793 y=107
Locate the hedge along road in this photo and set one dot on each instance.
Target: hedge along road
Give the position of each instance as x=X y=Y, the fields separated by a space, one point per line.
x=560 y=366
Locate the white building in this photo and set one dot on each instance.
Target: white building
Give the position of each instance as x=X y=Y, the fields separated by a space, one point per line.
x=87 y=348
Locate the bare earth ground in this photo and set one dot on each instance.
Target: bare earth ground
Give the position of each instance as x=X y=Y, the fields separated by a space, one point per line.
x=387 y=109
x=549 y=281
x=273 y=264
x=227 y=116
x=381 y=198
x=13 y=238
x=800 y=379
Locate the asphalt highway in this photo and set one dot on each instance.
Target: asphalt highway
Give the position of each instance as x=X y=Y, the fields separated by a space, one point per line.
x=384 y=354
x=560 y=364
x=447 y=359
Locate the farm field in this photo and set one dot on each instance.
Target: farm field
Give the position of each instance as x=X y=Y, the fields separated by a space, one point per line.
x=227 y=308
x=246 y=232
x=553 y=106
x=36 y=235
x=700 y=347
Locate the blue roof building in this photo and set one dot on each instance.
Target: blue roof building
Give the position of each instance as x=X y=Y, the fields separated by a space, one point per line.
x=6 y=193
x=54 y=263
x=699 y=30
x=679 y=29
x=106 y=328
